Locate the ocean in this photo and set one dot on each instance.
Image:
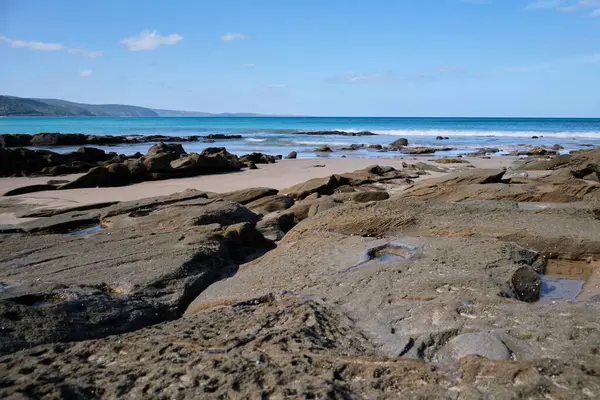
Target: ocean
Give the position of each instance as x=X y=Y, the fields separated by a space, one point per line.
x=276 y=135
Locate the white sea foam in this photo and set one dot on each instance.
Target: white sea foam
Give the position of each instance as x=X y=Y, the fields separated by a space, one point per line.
x=321 y=143
x=474 y=133
x=256 y=140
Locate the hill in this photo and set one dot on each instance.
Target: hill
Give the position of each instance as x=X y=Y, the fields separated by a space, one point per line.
x=11 y=106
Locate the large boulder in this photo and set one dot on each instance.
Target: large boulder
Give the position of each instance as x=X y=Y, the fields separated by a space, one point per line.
x=258 y=158
x=175 y=149
x=398 y=144
x=292 y=155
x=159 y=162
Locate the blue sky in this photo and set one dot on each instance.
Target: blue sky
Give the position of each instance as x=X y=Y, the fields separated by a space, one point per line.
x=355 y=58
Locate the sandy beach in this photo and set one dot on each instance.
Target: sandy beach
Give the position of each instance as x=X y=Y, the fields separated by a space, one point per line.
x=280 y=175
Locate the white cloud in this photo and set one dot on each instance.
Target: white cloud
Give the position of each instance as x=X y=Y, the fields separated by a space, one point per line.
x=43 y=46
x=544 y=4
x=277 y=85
x=247 y=65
x=150 y=40
x=228 y=37
x=86 y=72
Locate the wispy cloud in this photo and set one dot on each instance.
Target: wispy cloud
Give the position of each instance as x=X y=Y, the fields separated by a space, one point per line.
x=247 y=65
x=86 y=72
x=277 y=85
x=150 y=40
x=45 y=46
x=228 y=37
x=581 y=59
x=591 y=6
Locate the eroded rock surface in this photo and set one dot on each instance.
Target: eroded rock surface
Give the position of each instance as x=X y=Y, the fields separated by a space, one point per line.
x=144 y=265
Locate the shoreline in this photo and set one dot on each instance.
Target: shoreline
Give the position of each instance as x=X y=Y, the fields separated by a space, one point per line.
x=281 y=175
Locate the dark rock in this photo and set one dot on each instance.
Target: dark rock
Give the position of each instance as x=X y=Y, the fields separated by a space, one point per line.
x=56 y=139
x=292 y=155
x=30 y=189
x=323 y=149
x=10 y=140
x=399 y=144
x=175 y=149
x=57 y=181
x=91 y=154
x=159 y=162
x=535 y=137
x=246 y=196
x=252 y=165
x=439 y=138
x=323 y=186
x=221 y=136
x=268 y=204
x=365 y=197
x=96 y=177
x=421 y=150
x=258 y=158
x=376 y=146
x=526 y=283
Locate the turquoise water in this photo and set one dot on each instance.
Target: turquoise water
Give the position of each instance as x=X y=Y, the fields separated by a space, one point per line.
x=275 y=135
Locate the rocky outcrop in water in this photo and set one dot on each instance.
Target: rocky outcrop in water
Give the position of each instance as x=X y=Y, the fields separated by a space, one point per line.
x=80 y=139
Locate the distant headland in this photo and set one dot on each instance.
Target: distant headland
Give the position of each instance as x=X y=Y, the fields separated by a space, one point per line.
x=11 y=106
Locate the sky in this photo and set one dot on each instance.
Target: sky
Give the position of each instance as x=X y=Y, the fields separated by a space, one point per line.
x=311 y=57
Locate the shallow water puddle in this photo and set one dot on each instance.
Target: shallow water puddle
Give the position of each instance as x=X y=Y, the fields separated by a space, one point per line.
x=91 y=229
x=565 y=280
x=392 y=251
x=559 y=289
